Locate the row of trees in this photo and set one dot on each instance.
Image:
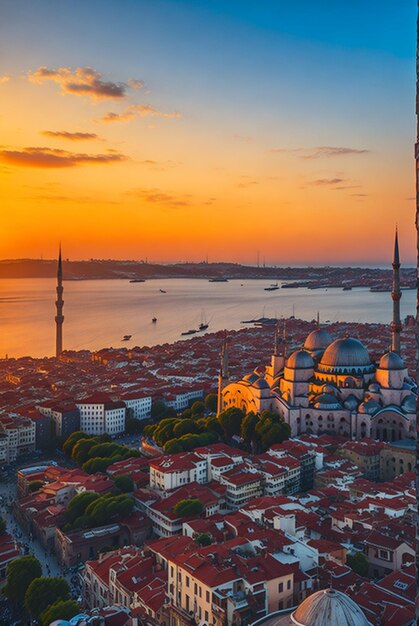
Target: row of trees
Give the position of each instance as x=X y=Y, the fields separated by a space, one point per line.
x=257 y=431
x=89 y=509
x=45 y=598
x=95 y=453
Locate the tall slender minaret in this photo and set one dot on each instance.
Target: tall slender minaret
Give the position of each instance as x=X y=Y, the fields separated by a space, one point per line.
x=277 y=360
x=59 y=303
x=224 y=375
x=396 y=325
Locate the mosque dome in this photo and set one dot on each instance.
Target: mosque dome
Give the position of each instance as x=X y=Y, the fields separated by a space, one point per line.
x=252 y=377
x=409 y=404
x=369 y=407
x=351 y=402
x=300 y=359
x=346 y=352
x=329 y=388
x=318 y=339
x=327 y=401
x=391 y=361
x=328 y=607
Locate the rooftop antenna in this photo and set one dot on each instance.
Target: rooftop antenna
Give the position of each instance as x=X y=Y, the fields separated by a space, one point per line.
x=318 y=319
x=258 y=258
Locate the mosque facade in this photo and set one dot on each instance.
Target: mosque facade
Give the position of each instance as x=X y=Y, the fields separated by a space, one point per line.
x=331 y=385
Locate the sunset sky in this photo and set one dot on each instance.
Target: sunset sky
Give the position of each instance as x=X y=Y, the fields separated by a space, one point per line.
x=179 y=129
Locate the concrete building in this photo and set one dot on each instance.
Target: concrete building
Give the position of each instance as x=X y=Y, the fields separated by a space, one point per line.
x=99 y=415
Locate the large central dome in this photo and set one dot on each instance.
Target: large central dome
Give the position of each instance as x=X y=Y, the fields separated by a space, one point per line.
x=347 y=352
x=318 y=339
x=328 y=607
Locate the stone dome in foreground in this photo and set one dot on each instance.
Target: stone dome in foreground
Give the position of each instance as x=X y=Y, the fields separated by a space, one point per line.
x=346 y=352
x=328 y=607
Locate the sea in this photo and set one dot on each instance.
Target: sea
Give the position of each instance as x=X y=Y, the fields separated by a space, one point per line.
x=98 y=313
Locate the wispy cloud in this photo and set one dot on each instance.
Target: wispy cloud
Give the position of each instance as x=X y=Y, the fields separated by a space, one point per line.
x=247 y=181
x=137 y=110
x=321 y=152
x=157 y=196
x=52 y=158
x=4 y=78
x=334 y=184
x=321 y=182
x=63 y=134
x=84 y=81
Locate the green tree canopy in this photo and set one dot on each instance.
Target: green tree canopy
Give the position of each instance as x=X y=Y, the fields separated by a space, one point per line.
x=60 y=610
x=35 y=485
x=92 y=466
x=78 y=505
x=2 y=526
x=44 y=591
x=190 y=506
x=20 y=573
x=173 y=446
x=124 y=483
x=81 y=449
x=247 y=427
x=71 y=440
x=133 y=426
x=211 y=402
x=359 y=563
x=203 y=539
x=198 y=408
x=184 y=427
x=271 y=429
x=230 y=421
x=159 y=410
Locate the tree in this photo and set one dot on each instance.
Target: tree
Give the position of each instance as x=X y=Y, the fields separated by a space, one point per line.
x=78 y=505
x=124 y=483
x=359 y=563
x=198 y=408
x=159 y=410
x=230 y=421
x=211 y=402
x=247 y=428
x=133 y=426
x=44 y=591
x=2 y=526
x=173 y=446
x=60 y=610
x=71 y=440
x=203 y=539
x=190 y=506
x=96 y=465
x=35 y=485
x=271 y=428
x=184 y=427
x=81 y=449
x=20 y=573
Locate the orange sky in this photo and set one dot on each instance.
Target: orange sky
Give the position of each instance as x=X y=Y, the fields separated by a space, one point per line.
x=305 y=169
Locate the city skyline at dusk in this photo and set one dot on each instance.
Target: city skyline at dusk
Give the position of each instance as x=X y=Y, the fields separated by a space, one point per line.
x=150 y=130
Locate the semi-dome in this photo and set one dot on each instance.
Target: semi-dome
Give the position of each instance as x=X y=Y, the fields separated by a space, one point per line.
x=369 y=407
x=251 y=378
x=409 y=404
x=391 y=361
x=261 y=383
x=328 y=607
x=327 y=401
x=346 y=352
x=318 y=339
x=300 y=359
x=351 y=402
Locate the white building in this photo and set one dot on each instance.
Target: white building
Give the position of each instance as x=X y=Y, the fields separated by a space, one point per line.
x=138 y=404
x=177 y=470
x=99 y=415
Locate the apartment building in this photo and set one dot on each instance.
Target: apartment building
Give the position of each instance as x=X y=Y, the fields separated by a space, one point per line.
x=99 y=415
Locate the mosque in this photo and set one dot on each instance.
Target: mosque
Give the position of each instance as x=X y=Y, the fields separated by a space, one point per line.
x=331 y=386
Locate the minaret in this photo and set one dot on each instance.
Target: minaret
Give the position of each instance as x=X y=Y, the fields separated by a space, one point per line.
x=59 y=303
x=277 y=359
x=224 y=375
x=396 y=325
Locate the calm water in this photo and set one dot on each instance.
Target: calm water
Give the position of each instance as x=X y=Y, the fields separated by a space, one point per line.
x=98 y=313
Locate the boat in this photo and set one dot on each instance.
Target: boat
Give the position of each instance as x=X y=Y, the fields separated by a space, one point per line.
x=274 y=285
x=204 y=324
x=272 y=288
x=126 y=337
x=218 y=280
x=154 y=320
x=163 y=291
x=189 y=332
x=347 y=288
x=137 y=280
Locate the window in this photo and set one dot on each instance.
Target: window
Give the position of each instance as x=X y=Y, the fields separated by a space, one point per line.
x=207 y=596
x=288 y=584
x=187 y=581
x=280 y=587
x=206 y=616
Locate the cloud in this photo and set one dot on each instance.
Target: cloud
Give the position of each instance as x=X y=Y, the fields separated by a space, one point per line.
x=63 y=134
x=157 y=196
x=83 y=81
x=52 y=158
x=244 y=138
x=320 y=182
x=320 y=152
x=247 y=182
x=4 y=78
x=137 y=110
